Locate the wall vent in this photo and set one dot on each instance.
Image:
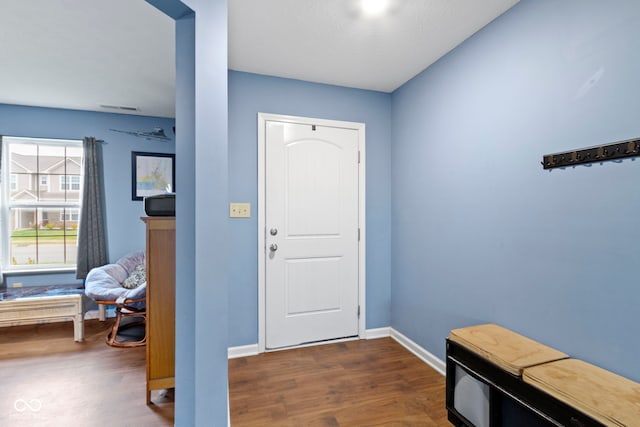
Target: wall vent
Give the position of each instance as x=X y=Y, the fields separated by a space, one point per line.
x=119 y=107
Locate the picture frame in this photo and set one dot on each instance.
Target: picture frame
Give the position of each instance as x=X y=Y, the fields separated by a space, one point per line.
x=151 y=174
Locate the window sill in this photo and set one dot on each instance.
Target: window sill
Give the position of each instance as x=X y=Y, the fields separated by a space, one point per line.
x=24 y=272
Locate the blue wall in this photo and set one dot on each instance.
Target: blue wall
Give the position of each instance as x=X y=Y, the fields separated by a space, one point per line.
x=125 y=231
x=185 y=222
x=202 y=227
x=250 y=94
x=481 y=233
x=211 y=315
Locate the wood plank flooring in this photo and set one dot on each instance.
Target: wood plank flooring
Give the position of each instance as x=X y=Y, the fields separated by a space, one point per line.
x=356 y=383
x=47 y=379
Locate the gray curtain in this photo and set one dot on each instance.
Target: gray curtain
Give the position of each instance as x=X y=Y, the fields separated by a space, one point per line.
x=92 y=240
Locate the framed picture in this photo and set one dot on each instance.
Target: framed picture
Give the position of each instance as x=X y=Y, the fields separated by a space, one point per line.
x=152 y=173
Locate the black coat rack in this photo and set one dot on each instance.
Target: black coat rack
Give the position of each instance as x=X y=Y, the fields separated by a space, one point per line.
x=600 y=153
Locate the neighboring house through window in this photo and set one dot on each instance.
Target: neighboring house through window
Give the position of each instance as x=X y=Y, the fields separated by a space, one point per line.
x=44 y=181
x=41 y=210
x=69 y=215
x=70 y=183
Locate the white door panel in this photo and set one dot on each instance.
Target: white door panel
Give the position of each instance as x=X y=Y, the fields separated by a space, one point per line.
x=312 y=258
x=304 y=279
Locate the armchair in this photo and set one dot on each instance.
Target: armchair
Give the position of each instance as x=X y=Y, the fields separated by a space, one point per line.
x=121 y=285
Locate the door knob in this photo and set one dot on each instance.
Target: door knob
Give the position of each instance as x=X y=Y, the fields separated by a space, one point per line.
x=273 y=231
x=273 y=247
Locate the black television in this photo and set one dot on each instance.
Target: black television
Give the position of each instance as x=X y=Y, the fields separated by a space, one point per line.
x=160 y=205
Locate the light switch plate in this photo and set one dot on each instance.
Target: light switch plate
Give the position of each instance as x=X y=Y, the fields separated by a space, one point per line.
x=240 y=210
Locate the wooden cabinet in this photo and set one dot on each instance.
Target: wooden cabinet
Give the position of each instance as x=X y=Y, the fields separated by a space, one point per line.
x=161 y=291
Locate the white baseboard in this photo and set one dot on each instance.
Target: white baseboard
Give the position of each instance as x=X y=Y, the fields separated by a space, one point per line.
x=371 y=334
x=242 y=351
x=253 y=349
x=410 y=345
x=421 y=353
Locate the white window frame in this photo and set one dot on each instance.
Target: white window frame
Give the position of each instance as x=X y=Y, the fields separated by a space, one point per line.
x=67 y=182
x=44 y=181
x=6 y=204
x=68 y=214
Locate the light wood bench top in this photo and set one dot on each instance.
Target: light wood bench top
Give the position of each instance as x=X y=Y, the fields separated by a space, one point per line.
x=609 y=398
x=507 y=349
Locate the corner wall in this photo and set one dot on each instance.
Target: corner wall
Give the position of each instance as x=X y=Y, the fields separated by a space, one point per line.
x=480 y=232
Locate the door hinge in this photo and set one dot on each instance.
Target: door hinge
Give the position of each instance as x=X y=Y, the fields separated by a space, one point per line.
x=358 y=156
x=358 y=311
x=358 y=234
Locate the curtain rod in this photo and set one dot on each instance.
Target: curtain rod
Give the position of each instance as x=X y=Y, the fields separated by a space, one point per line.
x=101 y=141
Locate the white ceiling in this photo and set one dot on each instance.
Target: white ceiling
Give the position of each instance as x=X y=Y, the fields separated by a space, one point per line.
x=84 y=54
x=81 y=54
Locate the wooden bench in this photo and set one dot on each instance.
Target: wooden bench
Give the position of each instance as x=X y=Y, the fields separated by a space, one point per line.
x=609 y=398
x=554 y=388
x=507 y=349
x=31 y=305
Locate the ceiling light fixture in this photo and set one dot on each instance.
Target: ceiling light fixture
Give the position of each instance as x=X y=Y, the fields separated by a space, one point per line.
x=374 y=7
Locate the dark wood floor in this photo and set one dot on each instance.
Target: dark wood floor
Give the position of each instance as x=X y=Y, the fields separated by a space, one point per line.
x=47 y=379
x=356 y=383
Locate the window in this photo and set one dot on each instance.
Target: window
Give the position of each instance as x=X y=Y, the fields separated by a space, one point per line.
x=41 y=216
x=70 y=183
x=69 y=215
x=44 y=185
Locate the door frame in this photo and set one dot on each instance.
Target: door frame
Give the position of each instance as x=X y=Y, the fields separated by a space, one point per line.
x=360 y=127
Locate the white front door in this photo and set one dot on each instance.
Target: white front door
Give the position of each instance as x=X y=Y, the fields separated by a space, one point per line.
x=311 y=233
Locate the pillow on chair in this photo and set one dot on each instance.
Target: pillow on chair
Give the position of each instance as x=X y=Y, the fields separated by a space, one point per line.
x=105 y=283
x=137 y=277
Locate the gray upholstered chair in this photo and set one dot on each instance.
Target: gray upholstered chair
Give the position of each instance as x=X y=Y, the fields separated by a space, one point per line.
x=124 y=286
